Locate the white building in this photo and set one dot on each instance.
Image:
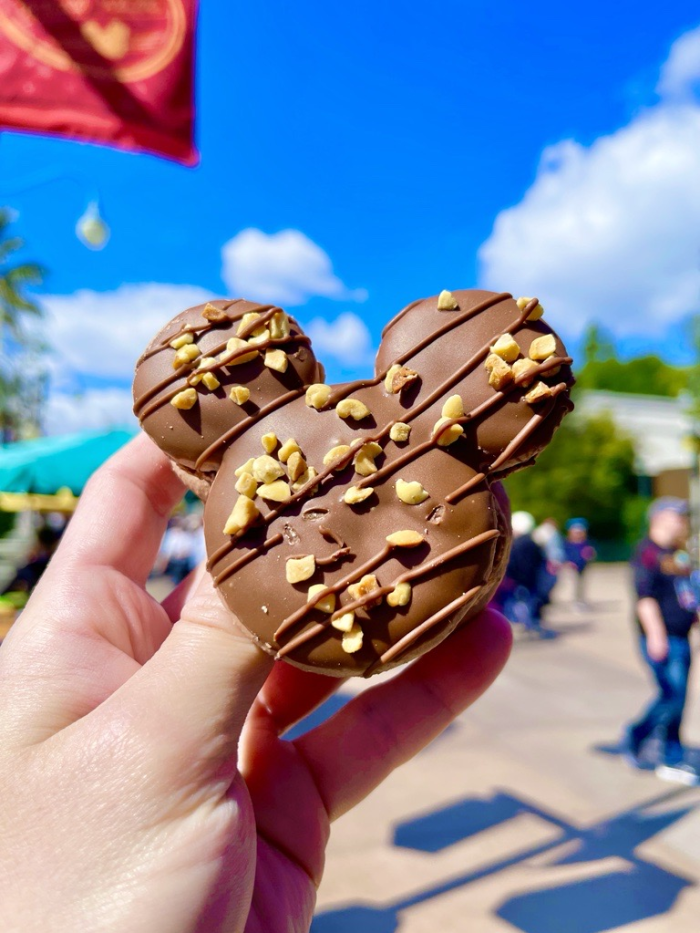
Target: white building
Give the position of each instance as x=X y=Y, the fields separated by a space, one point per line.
x=661 y=429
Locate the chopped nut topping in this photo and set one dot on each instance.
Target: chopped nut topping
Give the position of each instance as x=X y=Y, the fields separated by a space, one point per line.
x=352 y=408
x=247 y=320
x=196 y=377
x=356 y=494
x=352 y=640
x=246 y=485
x=259 y=335
x=277 y=491
x=247 y=467
x=406 y=538
x=446 y=301
x=266 y=470
x=412 y=493
x=500 y=373
x=400 y=595
x=279 y=326
x=399 y=432
x=317 y=395
x=334 y=453
x=450 y=435
x=298 y=569
x=304 y=479
x=539 y=391
x=397 y=377
x=327 y=604
x=366 y=585
x=244 y=513
x=269 y=442
x=536 y=312
x=181 y=341
x=289 y=447
x=185 y=355
x=232 y=345
x=213 y=314
x=296 y=465
x=453 y=407
x=543 y=347
x=507 y=348
x=364 y=458
x=239 y=394
x=522 y=367
x=345 y=622
x=277 y=360
x=184 y=400
x=210 y=381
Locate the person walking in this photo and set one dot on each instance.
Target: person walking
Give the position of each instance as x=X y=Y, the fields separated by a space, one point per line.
x=549 y=538
x=519 y=593
x=666 y=608
x=579 y=553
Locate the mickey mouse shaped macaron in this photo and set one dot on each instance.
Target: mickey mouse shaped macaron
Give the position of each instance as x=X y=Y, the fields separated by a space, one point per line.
x=353 y=527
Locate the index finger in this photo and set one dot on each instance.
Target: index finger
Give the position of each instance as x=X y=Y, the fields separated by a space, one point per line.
x=123 y=513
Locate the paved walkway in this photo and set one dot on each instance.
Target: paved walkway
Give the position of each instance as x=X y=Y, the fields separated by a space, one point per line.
x=520 y=817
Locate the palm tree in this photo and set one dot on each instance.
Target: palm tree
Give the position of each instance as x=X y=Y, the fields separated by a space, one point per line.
x=16 y=344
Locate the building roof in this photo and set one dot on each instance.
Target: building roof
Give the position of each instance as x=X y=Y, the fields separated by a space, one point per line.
x=660 y=426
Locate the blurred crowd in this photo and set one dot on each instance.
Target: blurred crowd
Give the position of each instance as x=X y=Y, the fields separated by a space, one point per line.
x=182 y=548
x=539 y=555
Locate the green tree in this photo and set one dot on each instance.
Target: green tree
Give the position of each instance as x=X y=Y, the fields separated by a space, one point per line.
x=21 y=376
x=597 y=344
x=587 y=471
x=645 y=375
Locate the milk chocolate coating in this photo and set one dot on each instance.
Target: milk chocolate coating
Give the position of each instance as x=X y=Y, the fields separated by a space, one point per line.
x=493 y=432
x=463 y=554
x=196 y=439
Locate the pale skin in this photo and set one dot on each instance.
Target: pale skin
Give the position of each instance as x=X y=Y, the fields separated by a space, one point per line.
x=145 y=785
x=667 y=529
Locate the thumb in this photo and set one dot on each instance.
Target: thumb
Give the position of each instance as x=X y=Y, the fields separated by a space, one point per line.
x=185 y=708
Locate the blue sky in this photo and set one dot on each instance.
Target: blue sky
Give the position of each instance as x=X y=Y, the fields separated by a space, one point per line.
x=410 y=148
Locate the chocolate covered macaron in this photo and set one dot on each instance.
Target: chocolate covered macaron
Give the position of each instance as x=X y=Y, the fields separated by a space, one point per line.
x=351 y=528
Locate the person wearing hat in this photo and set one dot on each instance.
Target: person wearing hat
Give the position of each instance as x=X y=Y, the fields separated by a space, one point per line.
x=578 y=553
x=666 y=608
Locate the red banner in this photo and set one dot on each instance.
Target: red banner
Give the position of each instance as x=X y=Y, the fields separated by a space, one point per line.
x=110 y=71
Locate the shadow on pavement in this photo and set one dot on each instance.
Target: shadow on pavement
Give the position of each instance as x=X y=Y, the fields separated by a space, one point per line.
x=591 y=905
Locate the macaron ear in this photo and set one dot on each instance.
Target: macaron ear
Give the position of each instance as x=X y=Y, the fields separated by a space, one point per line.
x=212 y=372
x=508 y=367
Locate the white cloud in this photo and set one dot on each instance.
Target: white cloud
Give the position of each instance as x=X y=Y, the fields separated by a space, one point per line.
x=94 y=409
x=286 y=268
x=98 y=336
x=610 y=232
x=104 y=333
x=680 y=73
x=346 y=340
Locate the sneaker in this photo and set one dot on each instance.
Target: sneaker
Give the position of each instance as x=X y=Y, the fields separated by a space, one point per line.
x=629 y=752
x=681 y=773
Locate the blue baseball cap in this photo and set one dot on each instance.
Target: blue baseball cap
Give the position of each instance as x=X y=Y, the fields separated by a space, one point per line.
x=668 y=504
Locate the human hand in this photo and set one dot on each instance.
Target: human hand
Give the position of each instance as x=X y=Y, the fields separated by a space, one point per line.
x=657 y=646
x=145 y=786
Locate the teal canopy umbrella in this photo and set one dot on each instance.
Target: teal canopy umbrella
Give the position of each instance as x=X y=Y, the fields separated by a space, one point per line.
x=48 y=464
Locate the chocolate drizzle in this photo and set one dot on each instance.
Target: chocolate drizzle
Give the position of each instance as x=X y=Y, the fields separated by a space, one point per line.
x=196 y=438
x=455 y=568
x=408 y=577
